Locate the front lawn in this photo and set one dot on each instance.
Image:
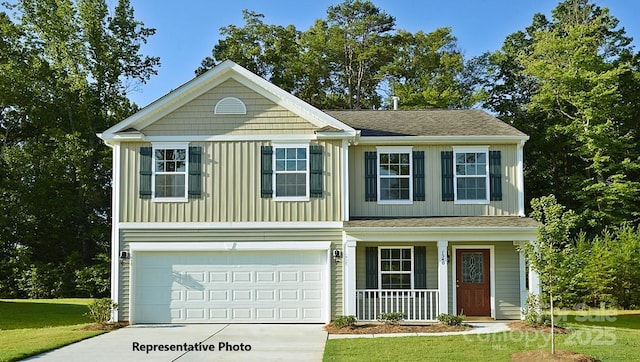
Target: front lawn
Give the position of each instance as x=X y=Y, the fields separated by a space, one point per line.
x=609 y=338
x=30 y=327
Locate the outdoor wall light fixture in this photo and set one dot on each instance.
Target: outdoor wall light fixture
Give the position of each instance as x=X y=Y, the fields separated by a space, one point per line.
x=445 y=258
x=337 y=254
x=124 y=255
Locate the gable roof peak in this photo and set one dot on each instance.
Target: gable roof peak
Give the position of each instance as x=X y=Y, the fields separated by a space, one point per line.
x=209 y=80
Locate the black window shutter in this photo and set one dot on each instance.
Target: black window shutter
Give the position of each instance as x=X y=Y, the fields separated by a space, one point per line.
x=495 y=175
x=145 y=172
x=418 y=176
x=446 y=158
x=267 y=171
x=316 y=169
x=371 y=266
x=370 y=176
x=420 y=267
x=195 y=172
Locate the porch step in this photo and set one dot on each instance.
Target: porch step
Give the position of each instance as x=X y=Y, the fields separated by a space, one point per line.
x=479 y=319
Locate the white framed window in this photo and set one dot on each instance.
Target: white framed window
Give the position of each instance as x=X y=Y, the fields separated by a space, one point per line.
x=395 y=175
x=396 y=267
x=471 y=175
x=170 y=169
x=291 y=172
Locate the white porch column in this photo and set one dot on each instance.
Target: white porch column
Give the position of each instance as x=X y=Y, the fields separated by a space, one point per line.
x=534 y=282
x=349 y=277
x=443 y=276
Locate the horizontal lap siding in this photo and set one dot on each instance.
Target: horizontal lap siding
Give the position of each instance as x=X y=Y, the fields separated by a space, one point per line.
x=432 y=262
x=208 y=235
x=433 y=204
x=230 y=189
x=507 y=281
x=197 y=117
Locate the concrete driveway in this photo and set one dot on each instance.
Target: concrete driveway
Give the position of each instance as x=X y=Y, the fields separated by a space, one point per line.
x=199 y=342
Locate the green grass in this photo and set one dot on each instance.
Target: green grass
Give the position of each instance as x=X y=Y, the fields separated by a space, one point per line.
x=30 y=327
x=605 y=339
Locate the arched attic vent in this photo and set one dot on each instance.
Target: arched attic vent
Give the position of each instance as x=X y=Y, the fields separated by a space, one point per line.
x=230 y=105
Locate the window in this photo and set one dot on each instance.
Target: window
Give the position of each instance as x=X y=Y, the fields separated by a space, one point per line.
x=396 y=268
x=395 y=175
x=170 y=171
x=471 y=175
x=291 y=166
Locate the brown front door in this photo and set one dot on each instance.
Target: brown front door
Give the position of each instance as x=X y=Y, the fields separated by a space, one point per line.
x=473 y=289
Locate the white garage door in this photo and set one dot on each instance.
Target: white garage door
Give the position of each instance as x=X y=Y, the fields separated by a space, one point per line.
x=229 y=286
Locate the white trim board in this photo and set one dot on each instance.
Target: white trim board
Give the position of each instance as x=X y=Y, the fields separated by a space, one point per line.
x=492 y=272
x=232 y=225
x=229 y=246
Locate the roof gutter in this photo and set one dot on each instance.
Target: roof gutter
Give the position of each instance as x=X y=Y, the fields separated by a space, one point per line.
x=386 y=140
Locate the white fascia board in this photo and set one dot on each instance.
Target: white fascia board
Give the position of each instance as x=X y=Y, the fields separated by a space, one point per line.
x=395 y=140
x=232 y=225
x=336 y=135
x=229 y=246
x=287 y=100
x=174 y=99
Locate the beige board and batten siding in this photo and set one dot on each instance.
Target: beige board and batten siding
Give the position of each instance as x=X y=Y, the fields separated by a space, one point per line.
x=433 y=205
x=230 y=188
x=226 y=235
x=197 y=117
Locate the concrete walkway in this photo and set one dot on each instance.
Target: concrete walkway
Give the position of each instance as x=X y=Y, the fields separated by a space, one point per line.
x=478 y=328
x=199 y=342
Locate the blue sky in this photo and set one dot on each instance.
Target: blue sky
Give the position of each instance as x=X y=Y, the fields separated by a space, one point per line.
x=186 y=31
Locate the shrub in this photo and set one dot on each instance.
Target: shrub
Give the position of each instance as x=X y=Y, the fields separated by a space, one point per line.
x=344 y=321
x=450 y=319
x=533 y=315
x=391 y=318
x=100 y=310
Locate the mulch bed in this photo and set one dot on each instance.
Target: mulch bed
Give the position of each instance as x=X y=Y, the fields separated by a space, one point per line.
x=104 y=326
x=521 y=326
x=545 y=355
x=394 y=328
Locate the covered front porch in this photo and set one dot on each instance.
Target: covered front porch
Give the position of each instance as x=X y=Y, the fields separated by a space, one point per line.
x=419 y=269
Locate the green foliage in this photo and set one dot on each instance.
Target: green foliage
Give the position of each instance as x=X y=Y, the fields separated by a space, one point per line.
x=100 y=310
x=95 y=279
x=571 y=83
x=450 y=319
x=533 y=314
x=355 y=52
x=342 y=321
x=65 y=68
x=391 y=318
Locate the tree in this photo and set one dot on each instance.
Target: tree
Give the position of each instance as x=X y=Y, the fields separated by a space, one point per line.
x=561 y=81
x=552 y=249
x=428 y=71
x=69 y=65
x=266 y=50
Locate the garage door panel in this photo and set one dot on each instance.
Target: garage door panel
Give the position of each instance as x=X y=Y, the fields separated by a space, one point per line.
x=282 y=286
x=242 y=276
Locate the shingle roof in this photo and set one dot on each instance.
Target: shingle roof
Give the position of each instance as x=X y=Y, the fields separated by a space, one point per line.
x=452 y=221
x=468 y=122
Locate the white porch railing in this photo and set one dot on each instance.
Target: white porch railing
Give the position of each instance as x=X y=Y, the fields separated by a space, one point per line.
x=416 y=304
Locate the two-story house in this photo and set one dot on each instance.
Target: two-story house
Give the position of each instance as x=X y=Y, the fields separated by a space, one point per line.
x=234 y=201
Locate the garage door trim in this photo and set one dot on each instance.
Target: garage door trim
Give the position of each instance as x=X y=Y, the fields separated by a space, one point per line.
x=234 y=246
x=229 y=246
